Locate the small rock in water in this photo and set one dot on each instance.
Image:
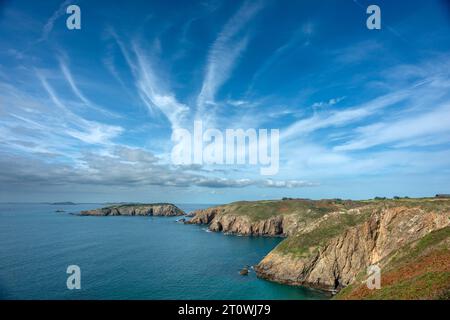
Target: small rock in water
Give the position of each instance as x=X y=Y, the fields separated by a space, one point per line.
x=244 y=271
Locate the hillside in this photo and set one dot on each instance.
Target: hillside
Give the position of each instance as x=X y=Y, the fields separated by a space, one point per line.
x=420 y=270
x=331 y=242
x=268 y=218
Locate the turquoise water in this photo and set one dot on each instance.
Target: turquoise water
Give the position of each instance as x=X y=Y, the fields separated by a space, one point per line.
x=127 y=258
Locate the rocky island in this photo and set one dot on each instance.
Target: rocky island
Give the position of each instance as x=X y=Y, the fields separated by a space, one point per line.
x=153 y=209
x=330 y=243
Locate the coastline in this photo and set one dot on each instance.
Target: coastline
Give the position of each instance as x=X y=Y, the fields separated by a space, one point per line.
x=129 y=258
x=340 y=242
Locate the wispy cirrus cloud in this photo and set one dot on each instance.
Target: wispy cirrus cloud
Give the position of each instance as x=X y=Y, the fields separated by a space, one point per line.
x=224 y=53
x=421 y=129
x=58 y=124
x=155 y=96
x=300 y=36
x=87 y=102
x=342 y=117
x=149 y=87
x=87 y=131
x=48 y=27
x=425 y=90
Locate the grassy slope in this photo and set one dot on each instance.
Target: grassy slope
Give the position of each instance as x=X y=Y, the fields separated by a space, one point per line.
x=308 y=209
x=259 y=210
x=303 y=244
x=420 y=270
x=308 y=212
x=126 y=205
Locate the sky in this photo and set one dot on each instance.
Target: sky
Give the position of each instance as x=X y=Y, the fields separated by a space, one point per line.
x=87 y=115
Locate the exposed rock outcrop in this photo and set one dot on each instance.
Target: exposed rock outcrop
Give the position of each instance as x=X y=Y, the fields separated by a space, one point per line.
x=220 y=220
x=244 y=271
x=335 y=264
x=419 y=270
x=204 y=216
x=330 y=243
x=236 y=224
x=158 y=209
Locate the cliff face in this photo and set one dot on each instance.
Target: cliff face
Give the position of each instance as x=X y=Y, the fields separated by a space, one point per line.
x=136 y=210
x=204 y=216
x=330 y=243
x=262 y=218
x=242 y=225
x=335 y=264
x=220 y=220
x=419 y=270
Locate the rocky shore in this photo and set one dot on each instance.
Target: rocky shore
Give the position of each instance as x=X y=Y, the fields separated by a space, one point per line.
x=156 y=209
x=262 y=218
x=330 y=243
x=240 y=225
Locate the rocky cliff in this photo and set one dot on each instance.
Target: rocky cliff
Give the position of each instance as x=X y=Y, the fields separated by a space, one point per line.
x=330 y=242
x=220 y=220
x=204 y=216
x=158 y=209
x=263 y=218
x=419 y=270
x=335 y=263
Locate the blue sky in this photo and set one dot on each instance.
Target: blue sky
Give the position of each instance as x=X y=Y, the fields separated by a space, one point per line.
x=87 y=115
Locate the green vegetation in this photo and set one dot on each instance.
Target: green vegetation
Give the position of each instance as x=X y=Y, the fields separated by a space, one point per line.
x=434 y=239
x=312 y=209
x=417 y=270
x=309 y=211
x=306 y=209
x=438 y=205
x=424 y=285
x=127 y=205
x=420 y=270
x=302 y=244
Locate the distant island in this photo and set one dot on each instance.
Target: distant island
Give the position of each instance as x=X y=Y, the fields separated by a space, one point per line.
x=330 y=243
x=65 y=203
x=151 y=209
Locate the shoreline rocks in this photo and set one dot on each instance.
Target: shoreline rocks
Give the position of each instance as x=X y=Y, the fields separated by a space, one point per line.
x=204 y=216
x=244 y=272
x=219 y=219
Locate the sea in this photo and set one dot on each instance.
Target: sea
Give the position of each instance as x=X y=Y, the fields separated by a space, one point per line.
x=128 y=257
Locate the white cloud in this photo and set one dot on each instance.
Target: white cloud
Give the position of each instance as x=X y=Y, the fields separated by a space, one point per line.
x=119 y=166
x=223 y=55
x=425 y=91
x=303 y=33
x=358 y=52
x=69 y=78
x=48 y=27
x=328 y=103
x=429 y=125
x=288 y=184
x=149 y=86
x=155 y=96
x=41 y=115
x=342 y=117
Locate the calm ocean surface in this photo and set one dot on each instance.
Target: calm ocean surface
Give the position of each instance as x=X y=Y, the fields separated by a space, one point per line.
x=127 y=258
